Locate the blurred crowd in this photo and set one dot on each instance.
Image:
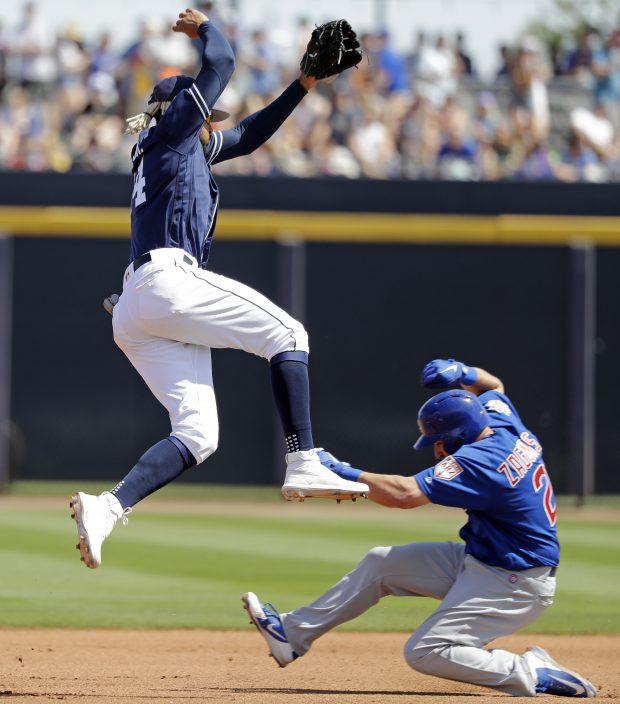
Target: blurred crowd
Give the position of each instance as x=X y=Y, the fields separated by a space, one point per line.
x=425 y=113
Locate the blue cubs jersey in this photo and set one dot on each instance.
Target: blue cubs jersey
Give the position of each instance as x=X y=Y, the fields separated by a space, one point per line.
x=502 y=483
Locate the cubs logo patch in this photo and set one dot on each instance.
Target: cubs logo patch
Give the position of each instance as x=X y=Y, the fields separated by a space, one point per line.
x=447 y=469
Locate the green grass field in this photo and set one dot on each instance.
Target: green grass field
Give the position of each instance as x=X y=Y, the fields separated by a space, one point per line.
x=185 y=559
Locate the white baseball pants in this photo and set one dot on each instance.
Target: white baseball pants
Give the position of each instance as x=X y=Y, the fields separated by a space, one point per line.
x=478 y=604
x=168 y=318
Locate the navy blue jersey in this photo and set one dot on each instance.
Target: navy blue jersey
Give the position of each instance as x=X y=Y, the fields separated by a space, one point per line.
x=174 y=200
x=175 y=197
x=502 y=483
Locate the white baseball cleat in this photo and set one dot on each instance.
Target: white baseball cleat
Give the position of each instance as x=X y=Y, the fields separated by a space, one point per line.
x=552 y=678
x=269 y=624
x=95 y=517
x=307 y=478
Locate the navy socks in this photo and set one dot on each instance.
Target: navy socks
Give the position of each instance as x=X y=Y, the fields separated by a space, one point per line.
x=158 y=466
x=291 y=392
x=169 y=458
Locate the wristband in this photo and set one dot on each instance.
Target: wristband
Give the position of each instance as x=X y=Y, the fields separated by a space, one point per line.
x=342 y=469
x=347 y=472
x=470 y=374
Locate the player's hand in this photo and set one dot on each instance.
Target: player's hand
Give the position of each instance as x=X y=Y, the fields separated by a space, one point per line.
x=110 y=302
x=441 y=373
x=342 y=469
x=188 y=22
x=308 y=82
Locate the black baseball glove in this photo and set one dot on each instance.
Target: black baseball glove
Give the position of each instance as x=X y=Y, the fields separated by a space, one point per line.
x=333 y=48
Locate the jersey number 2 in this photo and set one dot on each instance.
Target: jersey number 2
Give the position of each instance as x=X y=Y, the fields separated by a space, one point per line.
x=539 y=479
x=139 y=184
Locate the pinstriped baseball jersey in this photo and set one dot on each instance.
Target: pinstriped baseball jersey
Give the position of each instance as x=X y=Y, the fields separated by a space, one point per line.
x=175 y=199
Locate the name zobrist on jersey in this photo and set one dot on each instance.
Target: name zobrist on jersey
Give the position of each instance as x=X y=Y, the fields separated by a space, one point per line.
x=524 y=455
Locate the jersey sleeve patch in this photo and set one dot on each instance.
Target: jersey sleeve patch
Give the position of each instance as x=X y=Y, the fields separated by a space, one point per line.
x=447 y=469
x=498 y=406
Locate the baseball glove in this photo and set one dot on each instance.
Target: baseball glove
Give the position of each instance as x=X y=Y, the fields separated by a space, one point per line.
x=333 y=48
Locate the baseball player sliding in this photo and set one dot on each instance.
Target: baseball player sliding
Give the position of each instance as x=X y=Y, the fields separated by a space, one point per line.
x=173 y=311
x=500 y=579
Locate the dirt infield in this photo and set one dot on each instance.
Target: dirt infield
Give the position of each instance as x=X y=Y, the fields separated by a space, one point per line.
x=99 y=666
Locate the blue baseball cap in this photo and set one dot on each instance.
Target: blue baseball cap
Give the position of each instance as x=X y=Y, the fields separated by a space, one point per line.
x=168 y=88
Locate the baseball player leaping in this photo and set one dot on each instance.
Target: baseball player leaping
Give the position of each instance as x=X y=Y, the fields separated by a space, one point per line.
x=501 y=579
x=172 y=311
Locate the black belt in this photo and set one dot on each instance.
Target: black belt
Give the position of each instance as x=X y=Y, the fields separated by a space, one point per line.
x=146 y=257
x=553 y=570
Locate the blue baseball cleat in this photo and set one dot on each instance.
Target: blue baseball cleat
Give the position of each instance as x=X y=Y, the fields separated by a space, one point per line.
x=553 y=678
x=267 y=620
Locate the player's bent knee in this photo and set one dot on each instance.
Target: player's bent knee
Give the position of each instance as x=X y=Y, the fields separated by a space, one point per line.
x=375 y=558
x=295 y=338
x=206 y=449
x=421 y=656
x=200 y=444
x=301 y=339
x=381 y=555
x=379 y=552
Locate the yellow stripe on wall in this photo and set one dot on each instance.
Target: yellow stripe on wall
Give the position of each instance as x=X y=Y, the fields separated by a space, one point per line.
x=331 y=227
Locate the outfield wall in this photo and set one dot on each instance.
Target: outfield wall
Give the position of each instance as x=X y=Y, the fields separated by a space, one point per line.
x=386 y=290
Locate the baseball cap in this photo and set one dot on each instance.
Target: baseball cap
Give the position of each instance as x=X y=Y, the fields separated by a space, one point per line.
x=168 y=88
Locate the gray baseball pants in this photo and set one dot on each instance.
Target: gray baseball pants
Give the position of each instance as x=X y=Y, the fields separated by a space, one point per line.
x=479 y=603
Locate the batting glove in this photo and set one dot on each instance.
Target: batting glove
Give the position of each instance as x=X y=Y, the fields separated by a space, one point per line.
x=110 y=302
x=441 y=373
x=342 y=469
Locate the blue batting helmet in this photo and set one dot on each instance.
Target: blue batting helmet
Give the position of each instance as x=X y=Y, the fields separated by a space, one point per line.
x=457 y=417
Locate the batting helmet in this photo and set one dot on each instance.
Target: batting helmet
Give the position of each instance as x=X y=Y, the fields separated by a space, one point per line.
x=457 y=417
x=168 y=88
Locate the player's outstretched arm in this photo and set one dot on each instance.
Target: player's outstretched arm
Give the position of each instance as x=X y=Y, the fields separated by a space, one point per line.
x=394 y=490
x=218 y=59
x=391 y=490
x=257 y=128
x=485 y=381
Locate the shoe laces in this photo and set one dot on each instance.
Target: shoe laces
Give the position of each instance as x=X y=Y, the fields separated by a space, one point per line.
x=112 y=503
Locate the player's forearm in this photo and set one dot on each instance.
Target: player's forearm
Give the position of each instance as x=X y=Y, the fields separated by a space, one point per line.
x=218 y=63
x=393 y=490
x=485 y=381
x=256 y=129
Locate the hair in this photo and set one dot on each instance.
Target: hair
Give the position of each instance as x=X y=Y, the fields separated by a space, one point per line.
x=141 y=121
